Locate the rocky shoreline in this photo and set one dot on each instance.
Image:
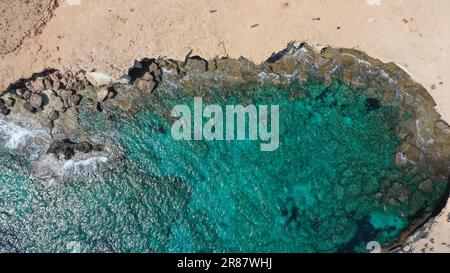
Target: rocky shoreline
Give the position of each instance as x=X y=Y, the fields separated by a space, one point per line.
x=52 y=99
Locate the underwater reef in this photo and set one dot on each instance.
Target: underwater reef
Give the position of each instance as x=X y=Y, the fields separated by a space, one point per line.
x=88 y=163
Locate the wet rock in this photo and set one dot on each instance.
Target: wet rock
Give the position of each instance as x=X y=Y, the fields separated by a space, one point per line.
x=53 y=115
x=3 y=108
x=27 y=106
x=36 y=100
x=103 y=247
x=67 y=148
x=9 y=102
x=84 y=147
x=5 y=111
x=63 y=147
x=144 y=85
x=372 y=104
x=74 y=100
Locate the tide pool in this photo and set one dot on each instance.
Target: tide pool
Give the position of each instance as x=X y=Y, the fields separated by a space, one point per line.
x=331 y=186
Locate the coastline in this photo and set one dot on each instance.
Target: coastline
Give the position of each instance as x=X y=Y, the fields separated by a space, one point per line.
x=123 y=34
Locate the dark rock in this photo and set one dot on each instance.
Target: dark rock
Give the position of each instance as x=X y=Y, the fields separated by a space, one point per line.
x=137 y=71
x=67 y=148
x=111 y=92
x=36 y=100
x=99 y=107
x=146 y=69
x=372 y=104
x=29 y=107
x=64 y=147
x=84 y=147
x=9 y=102
x=426 y=186
x=5 y=111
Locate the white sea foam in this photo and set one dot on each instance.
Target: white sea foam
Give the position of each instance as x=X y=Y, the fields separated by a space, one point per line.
x=16 y=137
x=90 y=164
x=34 y=142
x=49 y=166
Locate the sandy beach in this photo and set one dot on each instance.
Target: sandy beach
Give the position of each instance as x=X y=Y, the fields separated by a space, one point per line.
x=108 y=35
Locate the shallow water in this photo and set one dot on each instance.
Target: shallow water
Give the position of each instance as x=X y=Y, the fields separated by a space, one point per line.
x=328 y=187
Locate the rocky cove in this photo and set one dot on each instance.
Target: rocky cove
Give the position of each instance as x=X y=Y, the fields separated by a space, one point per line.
x=82 y=127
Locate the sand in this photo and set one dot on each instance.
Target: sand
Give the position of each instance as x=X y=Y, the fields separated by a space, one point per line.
x=107 y=35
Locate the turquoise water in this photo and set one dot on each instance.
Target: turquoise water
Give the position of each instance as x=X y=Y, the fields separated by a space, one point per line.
x=327 y=187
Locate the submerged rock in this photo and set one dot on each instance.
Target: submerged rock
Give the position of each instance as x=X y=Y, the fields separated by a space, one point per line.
x=27 y=106
x=67 y=148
